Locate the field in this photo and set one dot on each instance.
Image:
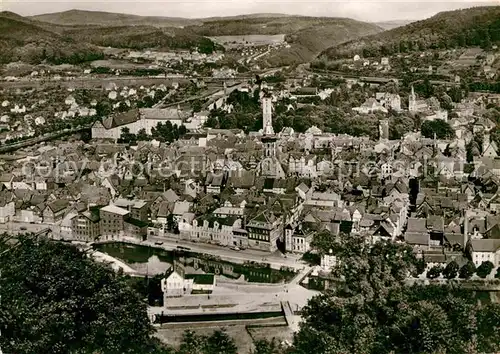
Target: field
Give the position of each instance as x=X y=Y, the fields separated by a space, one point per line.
x=118 y=64
x=244 y=336
x=249 y=40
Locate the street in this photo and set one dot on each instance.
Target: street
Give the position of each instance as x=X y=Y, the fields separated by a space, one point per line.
x=276 y=260
x=23 y=227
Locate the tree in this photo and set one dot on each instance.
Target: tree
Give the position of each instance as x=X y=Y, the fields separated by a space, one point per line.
x=103 y=109
x=497 y=275
x=212 y=121
x=434 y=272
x=55 y=299
x=220 y=343
x=451 y=270
x=438 y=128
x=191 y=343
x=399 y=125
x=86 y=135
x=485 y=269
x=266 y=347
x=489 y=329
x=171 y=224
x=420 y=267
x=373 y=310
x=127 y=137
x=166 y=132
x=456 y=94
x=142 y=135
x=182 y=130
x=324 y=241
x=467 y=270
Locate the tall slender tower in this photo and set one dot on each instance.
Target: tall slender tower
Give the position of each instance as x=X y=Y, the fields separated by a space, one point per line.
x=267 y=116
x=412 y=101
x=269 y=140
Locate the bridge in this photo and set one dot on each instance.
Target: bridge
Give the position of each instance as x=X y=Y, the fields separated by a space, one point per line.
x=288 y=312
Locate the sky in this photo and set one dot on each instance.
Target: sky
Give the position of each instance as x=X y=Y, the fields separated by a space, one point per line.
x=365 y=10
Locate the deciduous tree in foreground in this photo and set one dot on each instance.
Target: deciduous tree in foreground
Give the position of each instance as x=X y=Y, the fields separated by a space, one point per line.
x=376 y=311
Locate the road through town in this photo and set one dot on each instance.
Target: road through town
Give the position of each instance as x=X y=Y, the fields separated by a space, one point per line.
x=276 y=260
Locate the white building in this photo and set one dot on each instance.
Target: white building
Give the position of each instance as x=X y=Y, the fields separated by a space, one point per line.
x=328 y=262
x=135 y=120
x=371 y=105
x=7 y=212
x=179 y=284
x=215 y=230
x=298 y=240
x=486 y=250
x=389 y=100
x=303 y=166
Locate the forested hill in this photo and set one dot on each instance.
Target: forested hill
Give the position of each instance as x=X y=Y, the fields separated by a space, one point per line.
x=478 y=26
x=307 y=36
x=28 y=41
x=32 y=41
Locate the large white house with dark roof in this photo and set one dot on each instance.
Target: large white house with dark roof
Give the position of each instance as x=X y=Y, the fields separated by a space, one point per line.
x=135 y=120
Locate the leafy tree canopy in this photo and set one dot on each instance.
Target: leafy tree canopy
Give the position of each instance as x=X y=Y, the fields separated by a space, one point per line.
x=438 y=128
x=55 y=299
x=375 y=310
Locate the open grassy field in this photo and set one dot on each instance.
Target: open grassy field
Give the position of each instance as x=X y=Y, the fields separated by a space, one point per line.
x=171 y=334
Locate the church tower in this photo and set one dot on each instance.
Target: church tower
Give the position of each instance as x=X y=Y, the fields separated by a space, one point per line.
x=270 y=166
x=267 y=116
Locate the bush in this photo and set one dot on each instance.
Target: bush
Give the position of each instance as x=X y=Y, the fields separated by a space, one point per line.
x=467 y=270
x=434 y=272
x=485 y=269
x=451 y=270
x=420 y=266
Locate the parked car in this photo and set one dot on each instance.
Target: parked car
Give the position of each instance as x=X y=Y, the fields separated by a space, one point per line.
x=159 y=243
x=23 y=228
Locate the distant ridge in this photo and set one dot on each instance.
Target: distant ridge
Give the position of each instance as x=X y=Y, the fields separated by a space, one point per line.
x=32 y=41
x=307 y=36
x=102 y=18
x=476 y=26
x=86 y=31
x=388 y=25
